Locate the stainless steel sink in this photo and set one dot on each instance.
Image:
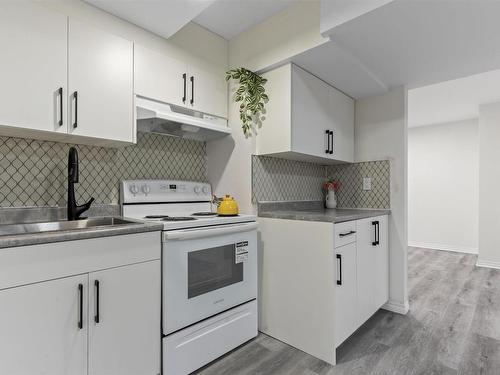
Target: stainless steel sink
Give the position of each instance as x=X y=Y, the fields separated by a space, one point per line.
x=53 y=226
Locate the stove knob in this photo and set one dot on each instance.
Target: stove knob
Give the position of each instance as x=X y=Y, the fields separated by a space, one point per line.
x=205 y=190
x=146 y=189
x=134 y=189
x=197 y=189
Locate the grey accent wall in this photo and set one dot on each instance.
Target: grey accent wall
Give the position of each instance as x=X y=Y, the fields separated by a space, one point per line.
x=275 y=179
x=34 y=173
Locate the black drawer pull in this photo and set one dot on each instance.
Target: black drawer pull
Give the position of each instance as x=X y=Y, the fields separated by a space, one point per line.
x=376 y=233
x=60 y=93
x=347 y=233
x=75 y=96
x=185 y=84
x=97 y=315
x=192 y=89
x=339 y=280
x=80 y=312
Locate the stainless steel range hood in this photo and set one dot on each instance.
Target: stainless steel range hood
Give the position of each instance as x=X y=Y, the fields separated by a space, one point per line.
x=167 y=119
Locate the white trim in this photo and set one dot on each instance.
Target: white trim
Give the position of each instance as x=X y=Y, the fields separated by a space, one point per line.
x=488 y=263
x=440 y=246
x=397 y=307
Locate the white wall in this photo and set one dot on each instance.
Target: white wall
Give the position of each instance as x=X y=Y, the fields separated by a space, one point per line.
x=381 y=134
x=443 y=186
x=489 y=185
x=267 y=44
x=276 y=39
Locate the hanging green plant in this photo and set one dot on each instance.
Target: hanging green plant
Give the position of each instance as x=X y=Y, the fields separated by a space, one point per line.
x=252 y=97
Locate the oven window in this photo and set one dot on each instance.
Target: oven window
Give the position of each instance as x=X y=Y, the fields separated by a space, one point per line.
x=212 y=269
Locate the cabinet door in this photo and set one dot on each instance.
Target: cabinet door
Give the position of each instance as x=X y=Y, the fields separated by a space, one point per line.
x=341 y=111
x=346 y=305
x=125 y=331
x=372 y=262
x=381 y=250
x=366 y=268
x=207 y=91
x=33 y=44
x=310 y=114
x=40 y=332
x=101 y=73
x=160 y=77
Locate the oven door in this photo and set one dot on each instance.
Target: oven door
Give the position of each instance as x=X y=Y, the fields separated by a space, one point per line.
x=207 y=271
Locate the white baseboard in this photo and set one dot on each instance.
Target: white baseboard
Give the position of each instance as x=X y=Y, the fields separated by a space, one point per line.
x=397 y=307
x=440 y=246
x=487 y=263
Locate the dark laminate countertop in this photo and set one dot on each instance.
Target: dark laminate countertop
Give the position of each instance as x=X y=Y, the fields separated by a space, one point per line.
x=34 y=214
x=314 y=211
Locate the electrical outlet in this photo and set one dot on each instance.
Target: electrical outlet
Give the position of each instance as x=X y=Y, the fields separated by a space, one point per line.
x=367 y=183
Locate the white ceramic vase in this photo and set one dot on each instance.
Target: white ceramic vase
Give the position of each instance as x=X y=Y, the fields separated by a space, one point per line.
x=331 y=199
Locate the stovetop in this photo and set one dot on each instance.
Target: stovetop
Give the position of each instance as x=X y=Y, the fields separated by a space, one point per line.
x=176 y=204
x=183 y=222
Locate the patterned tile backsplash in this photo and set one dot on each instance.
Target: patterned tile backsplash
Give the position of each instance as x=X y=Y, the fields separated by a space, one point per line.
x=275 y=179
x=34 y=173
x=351 y=193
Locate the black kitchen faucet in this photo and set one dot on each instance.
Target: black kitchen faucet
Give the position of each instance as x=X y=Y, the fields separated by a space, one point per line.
x=74 y=211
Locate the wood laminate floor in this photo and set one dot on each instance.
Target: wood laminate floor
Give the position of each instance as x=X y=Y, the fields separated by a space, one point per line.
x=453 y=327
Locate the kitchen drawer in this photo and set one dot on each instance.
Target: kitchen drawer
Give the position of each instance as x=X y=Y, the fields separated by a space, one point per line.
x=345 y=233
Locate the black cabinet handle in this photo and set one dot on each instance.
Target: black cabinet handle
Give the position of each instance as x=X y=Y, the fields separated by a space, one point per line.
x=327 y=133
x=192 y=89
x=376 y=233
x=75 y=97
x=339 y=280
x=60 y=93
x=96 y=317
x=185 y=84
x=80 y=312
x=347 y=233
x=331 y=137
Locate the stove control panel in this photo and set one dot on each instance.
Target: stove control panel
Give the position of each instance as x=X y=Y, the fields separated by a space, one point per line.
x=158 y=191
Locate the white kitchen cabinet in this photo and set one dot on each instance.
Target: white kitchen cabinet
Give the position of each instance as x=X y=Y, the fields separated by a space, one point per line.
x=207 y=91
x=100 y=84
x=306 y=119
x=346 y=315
x=160 y=77
x=39 y=319
x=372 y=266
x=163 y=78
x=124 y=309
x=46 y=59
x=33 y=74
x=297 y=285
x=40 y=328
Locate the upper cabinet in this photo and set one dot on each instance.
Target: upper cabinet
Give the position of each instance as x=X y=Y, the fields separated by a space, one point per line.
x=33 y=74
x=306 y=118
x=63 y=80
x=101 y=69
x=162 y=78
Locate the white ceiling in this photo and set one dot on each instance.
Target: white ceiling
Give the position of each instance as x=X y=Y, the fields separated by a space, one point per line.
x=454 y=100
x=162 y=17
x=229 y=18
x=409 y=42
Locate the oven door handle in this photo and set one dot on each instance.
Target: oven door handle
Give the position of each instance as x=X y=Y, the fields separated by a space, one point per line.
x=188 y=234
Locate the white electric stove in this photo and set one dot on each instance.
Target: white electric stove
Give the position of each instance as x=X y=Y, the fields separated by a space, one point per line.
x=209 y=287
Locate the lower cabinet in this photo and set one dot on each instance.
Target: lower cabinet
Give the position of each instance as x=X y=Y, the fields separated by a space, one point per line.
x=346 y=317
x=43 y=328
x=94 y=311
x=124 y=319
x=362 y=276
